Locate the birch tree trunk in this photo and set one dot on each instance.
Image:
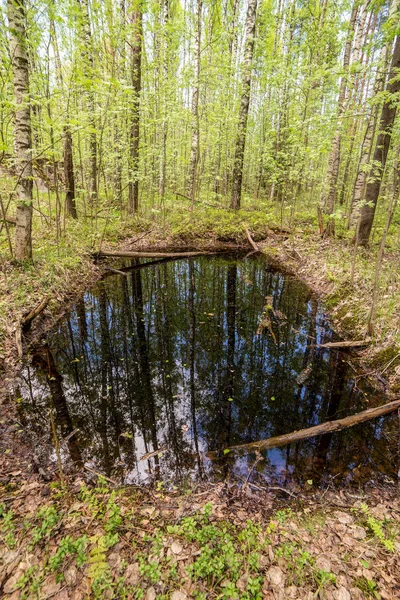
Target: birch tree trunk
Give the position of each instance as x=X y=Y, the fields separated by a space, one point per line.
x=329 y=195
x=164 y=79
x=136 y=75
x=195 y=147
x=366 y=150
x=118 y=152
x=244 y=105
x=388 y=115
x=22 y=129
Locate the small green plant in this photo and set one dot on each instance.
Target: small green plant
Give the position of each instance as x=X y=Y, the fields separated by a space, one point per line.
x=48 y=518
x=99 y=571
x=376 y=527
x=283 y=515
x=7 y=527
x=29 y=583
x=69 y=547
x=368 y=587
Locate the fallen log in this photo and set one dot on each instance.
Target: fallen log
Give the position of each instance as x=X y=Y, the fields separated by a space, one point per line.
x=344 y=344
x=252 y=242
x=26 y=321
x=127 y=254
x=280 y=229
x=303 y=434
x=116 y=271
x=138 y=267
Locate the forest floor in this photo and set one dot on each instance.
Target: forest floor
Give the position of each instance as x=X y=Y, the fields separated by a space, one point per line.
x=99 y=541
x=91 y=539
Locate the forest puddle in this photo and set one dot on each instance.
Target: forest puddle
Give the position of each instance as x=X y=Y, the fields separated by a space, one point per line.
x=153 y=369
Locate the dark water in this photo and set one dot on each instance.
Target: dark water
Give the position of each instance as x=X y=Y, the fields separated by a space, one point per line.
x=172 y=359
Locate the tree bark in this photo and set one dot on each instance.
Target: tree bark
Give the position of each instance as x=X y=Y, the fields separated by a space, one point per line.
x=89 y=57
x=136 y=75
x=329 y=195
x=22 y=129
x=244 y=105
x=70 y=206
x=388 y=115
x=366 y=150
x=195 y=147
x=69 y=177
x=164 y=79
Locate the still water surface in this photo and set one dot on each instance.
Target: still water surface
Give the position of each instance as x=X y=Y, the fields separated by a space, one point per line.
x=175 y=359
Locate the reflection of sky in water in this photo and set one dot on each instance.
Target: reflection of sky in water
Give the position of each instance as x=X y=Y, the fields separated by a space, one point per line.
x=169 y=359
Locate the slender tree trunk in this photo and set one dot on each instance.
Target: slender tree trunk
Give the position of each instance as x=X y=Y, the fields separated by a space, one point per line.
x=69 y=177
x=391 y=210
x=244 y=105
x=117 y=122
x=366 y=150
x=136 y=75
x=22 y=129
x=195 y=147
x=89 y=56
x=388 y=115
x=329 y=195
x=164 y=79
x=70 y=206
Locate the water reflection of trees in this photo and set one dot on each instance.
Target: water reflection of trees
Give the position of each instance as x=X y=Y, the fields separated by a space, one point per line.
x=167 y=362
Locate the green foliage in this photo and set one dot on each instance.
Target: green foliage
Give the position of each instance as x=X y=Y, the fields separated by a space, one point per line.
x=47 y=518
x=68 y=547
x=7 y=527
x=368 y=587
x=98 y=568
x=30 y=582
x=377 y=528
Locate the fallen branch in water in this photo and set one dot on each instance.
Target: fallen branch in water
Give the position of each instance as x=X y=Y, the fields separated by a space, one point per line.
x=252 y=242
x=116 y=271
x=303 y=434
x=101 y=475
x=26 y=321
x=126 y=254
x=343 y=344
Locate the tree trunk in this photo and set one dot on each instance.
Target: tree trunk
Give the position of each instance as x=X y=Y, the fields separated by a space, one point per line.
x=117 y=123
x=69 y=177
x=22 y=129
x=329 y=195
x=388 y=115
x=244 y=105
x=164 y=79
x=194 y=151
x=70 y=206
x=136 y=75
x=89 y=56
x=366 y=150
x=389 y=217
